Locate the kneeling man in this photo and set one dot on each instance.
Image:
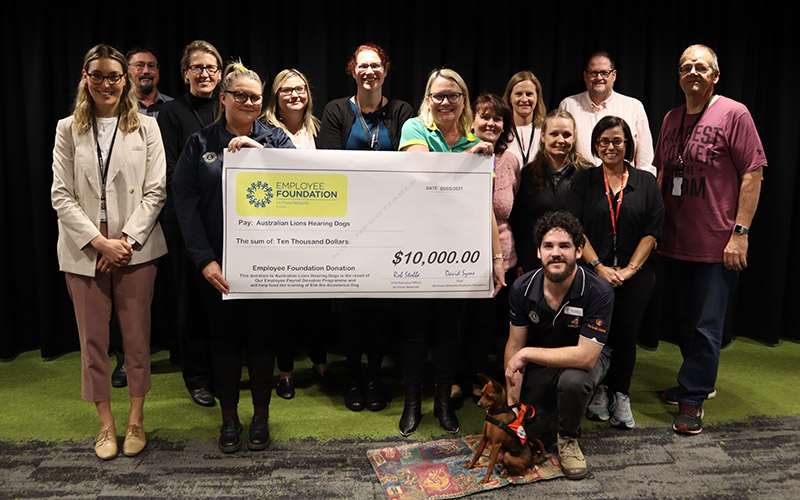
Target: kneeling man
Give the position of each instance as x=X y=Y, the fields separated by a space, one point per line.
x=556 y=351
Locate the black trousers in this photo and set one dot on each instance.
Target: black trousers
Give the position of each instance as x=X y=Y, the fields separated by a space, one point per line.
x=193 y=331
x=434 y=322
x=559 y=397
x=368 y=326
x=312 y=332
x=239 y=333
x=630 y=305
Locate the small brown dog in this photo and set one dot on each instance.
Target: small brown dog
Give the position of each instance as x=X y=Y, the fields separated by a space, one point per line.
x=517 y=457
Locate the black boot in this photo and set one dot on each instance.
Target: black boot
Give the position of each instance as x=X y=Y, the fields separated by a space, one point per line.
x=443 y=409
x=412 y=412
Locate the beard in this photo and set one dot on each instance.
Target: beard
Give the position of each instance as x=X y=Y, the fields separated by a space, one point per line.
x=566 y=273
x=145 y=86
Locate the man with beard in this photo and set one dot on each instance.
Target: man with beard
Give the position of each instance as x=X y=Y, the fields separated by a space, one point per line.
x=711 y=164
x=143 y=65
x=556 y=352
x=600 y=100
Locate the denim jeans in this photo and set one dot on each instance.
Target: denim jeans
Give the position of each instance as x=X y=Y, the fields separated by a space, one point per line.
x=703 y=290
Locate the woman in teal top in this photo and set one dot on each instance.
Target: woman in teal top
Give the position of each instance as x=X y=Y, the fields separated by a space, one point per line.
x=445 y=117
x=444 y=120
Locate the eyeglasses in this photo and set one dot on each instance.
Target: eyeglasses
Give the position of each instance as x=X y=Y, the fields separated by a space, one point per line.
x=242 y=97
x=617 y=142
x=287 y=91
x=113 y=78
x=362 y=68
x=701 y=69
x=595 y=74
x=197 y=70
x=140 y=66
x=452 y=98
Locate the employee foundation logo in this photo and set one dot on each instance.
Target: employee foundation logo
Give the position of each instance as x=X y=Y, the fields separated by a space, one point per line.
x=260 y=194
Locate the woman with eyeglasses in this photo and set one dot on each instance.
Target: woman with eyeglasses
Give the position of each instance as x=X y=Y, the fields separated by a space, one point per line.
x=622 y=213
x=524 y=94
x=108 y=190
x=370 y=121
x=544 y=183
x=291 y=108
x=443 y=125
x=237 y=326
x=201 y=65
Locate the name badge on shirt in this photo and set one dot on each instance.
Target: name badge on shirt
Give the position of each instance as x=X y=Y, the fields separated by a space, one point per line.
x=677 y=186
x=574 y=311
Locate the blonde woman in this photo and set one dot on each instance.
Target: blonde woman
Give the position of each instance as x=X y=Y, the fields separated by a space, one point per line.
x=108 y=189
x=291 y=108
x=443 y=125
x=236 y=326
x=544 y=182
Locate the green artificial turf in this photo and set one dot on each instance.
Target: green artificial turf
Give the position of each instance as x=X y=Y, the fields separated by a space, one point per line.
x=41 y=399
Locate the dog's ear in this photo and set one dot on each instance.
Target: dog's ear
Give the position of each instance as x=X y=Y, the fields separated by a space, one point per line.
x=497 y=386
x=483 y=378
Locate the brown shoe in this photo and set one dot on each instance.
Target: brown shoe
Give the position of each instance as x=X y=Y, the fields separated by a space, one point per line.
x=105 y=446
x=135 y=441
x=573 y=463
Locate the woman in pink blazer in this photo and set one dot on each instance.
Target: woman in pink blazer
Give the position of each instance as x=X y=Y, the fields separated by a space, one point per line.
x=108 y=189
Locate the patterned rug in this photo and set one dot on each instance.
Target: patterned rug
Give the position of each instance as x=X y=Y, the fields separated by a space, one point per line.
x=422 y=471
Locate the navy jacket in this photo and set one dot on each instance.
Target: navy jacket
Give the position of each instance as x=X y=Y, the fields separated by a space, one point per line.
x=197 y=186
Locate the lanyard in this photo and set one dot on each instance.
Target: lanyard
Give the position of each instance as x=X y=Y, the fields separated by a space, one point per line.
x=103 y=165
x=689 y=132
x=372 y=139
x=614 y=217
x=525 y=152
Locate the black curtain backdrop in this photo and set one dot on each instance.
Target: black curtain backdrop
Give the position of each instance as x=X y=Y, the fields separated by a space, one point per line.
x=485 y=42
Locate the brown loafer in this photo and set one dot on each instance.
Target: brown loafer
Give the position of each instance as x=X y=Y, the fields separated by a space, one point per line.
x=135 y=441
x=105 y=446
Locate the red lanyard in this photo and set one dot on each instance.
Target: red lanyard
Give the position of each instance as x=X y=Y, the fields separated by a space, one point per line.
x=614 y=216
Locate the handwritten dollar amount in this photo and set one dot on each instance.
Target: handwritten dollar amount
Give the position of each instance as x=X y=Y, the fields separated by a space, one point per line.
x=436 y=257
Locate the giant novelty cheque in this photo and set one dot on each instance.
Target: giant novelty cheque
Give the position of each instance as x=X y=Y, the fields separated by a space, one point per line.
x=355 y=224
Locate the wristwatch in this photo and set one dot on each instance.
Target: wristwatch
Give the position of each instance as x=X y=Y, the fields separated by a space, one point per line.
x=593 y=264
x=740 y=229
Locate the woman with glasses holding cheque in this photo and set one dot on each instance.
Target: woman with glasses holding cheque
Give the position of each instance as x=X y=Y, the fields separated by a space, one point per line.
x=367 y=121
x=201 y=66
x=290 y=107
x=622 y=213
x=108 y=189
x=443 y=125
x=236 y=325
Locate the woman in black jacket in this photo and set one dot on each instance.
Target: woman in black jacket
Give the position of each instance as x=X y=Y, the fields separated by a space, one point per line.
x=236 y=326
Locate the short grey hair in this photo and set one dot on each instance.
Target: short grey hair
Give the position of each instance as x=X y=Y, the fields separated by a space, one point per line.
x=699 y=46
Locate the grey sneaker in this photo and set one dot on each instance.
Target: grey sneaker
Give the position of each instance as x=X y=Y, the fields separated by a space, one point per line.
x=573 y=463
x=598 y=407
x=621 y=415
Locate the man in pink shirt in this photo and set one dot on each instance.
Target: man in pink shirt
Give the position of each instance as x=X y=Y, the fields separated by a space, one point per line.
x=710 y=162
x=600 y=101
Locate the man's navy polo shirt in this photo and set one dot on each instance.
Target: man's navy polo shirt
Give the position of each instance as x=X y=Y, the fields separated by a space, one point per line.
x=585 y=310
